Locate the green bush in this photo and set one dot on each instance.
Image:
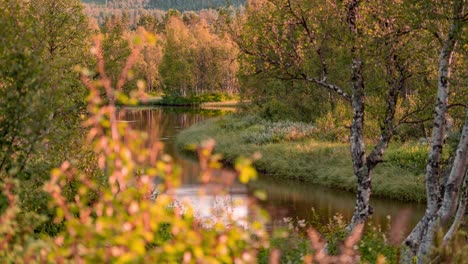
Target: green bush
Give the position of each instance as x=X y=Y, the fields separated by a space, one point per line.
x=294 y=245
x=293 y=248
x=257 y=130
x=333 y=125
x=174 y=99
x=410 y=155
x=374 y=244
x=238 y=122
x=273 y=132
x=275 y=110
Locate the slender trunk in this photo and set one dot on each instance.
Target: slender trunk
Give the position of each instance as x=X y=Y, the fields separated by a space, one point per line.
x=448 y=207
x=454 y=182
x=460 y=212
x=419 y=242
x=358 y=149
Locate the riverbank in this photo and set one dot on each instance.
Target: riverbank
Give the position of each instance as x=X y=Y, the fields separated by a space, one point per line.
x=203 y=100
x=291 y=151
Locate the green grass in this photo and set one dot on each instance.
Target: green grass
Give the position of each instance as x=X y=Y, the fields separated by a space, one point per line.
x=290 y=150
x=192 y=100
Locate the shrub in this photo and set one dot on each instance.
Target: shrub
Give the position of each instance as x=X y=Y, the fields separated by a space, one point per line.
x=120 y=221
x=333 y=125
x=174 y=99
x=257 y=130
x=374 y=245
x=273 y=132
x=275 y=110
x=410 y=155
x=294 y=246
x=239 y=122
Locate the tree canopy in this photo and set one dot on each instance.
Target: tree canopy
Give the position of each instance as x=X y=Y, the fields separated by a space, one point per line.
x=182 y=5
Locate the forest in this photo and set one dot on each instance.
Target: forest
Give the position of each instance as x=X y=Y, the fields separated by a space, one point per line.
x=259 y=131
x=181 y=5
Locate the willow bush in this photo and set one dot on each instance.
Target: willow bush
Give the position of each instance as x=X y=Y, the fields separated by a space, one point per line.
x=118 y=221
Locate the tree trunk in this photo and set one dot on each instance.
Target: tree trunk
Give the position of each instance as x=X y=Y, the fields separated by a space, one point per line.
x=448 y=206
x=358 y=148
x=460 y=212
x=357 y=145
x=419 y=242
x=457 y=175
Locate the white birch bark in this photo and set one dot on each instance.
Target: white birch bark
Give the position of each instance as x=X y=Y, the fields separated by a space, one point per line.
x=460 y=213
x=419 y=242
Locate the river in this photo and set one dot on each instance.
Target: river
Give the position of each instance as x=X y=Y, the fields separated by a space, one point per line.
x=285 y=199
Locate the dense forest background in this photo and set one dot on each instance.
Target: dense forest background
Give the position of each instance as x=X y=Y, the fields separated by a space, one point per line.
x=182 y=5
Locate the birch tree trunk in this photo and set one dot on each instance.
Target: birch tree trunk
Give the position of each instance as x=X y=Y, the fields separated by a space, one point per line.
x=363 y=165
x=448 y=206
x=461 y=211
x=419 y=242
x=357 y=145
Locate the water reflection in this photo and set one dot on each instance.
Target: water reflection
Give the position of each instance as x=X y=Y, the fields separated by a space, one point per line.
x=163 y=124
x=212 y=206
x=223 y=197
x=285 y=198
x=316 y=203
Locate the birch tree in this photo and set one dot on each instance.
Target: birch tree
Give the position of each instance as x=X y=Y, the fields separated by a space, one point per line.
x=314 y=42
x=442 y=205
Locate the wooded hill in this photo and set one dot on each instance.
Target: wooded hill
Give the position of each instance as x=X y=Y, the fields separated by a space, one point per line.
x=182 y=5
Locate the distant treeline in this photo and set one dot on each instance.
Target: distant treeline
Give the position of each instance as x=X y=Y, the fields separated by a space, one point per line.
x=194 y=53
x=182 y=5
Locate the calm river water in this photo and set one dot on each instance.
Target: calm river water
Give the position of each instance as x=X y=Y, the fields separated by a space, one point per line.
x=285 y=199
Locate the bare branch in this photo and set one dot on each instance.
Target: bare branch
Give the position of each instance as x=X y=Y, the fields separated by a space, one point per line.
x=331 y=87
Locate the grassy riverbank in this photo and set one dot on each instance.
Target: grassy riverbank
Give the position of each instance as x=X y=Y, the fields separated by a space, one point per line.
x=208 y=99
x=292 y=151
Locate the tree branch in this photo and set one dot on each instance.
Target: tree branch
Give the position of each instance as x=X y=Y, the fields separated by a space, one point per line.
x=331 y=87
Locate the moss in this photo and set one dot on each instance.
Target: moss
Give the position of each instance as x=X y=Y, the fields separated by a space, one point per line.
x=303 y=158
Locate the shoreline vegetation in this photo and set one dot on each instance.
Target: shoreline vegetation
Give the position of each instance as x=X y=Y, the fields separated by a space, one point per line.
x=293 y=151
x=204 y=100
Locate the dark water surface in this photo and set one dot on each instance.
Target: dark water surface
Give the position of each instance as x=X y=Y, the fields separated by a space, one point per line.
x=286 y=199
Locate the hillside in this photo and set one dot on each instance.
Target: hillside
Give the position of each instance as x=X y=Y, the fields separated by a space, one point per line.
x=182 y=5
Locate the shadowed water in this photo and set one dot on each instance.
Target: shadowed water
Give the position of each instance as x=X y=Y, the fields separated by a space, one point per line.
x=286 y=199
